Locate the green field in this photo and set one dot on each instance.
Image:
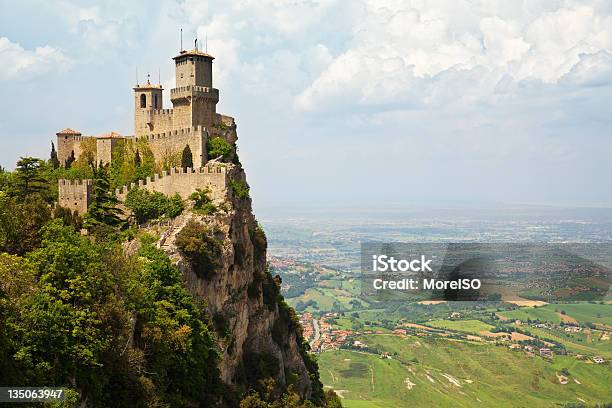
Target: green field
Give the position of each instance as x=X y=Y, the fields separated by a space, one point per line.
x=583 y=312
x=586 y=312
x=437 y=372
x=467 y=326
x=543 y=314
x=575 y=342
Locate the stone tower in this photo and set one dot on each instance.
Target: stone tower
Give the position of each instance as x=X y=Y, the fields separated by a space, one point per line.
x=147 y=100
x=194 y=98
x=68 y=141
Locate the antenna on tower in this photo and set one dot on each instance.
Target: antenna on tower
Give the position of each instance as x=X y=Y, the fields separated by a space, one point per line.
x=159 y=76
x=136 y=76
x=206 y=43
x=196 y=43
x=181 y=39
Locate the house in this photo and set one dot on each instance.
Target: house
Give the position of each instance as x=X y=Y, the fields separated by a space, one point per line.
x=546 y=353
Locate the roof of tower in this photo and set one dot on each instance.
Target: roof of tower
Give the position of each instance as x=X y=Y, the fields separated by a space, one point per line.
x=193 y=53
x=147 y=86
x=111 y=135
x=68 y=131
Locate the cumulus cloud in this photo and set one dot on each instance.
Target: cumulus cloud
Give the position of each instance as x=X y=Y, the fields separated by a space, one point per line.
x=21 y=64
x=402 y=46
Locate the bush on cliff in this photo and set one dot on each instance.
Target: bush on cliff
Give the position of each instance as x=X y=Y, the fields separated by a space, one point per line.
x=240 y=188
x=202 y=203
x=201 y=248
x=147 y=205
x=218 y=147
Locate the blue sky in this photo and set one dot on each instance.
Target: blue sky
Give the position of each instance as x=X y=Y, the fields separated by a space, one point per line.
x=341 y=102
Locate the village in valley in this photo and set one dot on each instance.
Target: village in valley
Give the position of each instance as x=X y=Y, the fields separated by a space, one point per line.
x=385 y=352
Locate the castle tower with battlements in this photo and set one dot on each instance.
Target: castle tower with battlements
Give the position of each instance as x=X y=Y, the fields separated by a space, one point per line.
x=167 y=131
x=75 y=194
x=194 y=99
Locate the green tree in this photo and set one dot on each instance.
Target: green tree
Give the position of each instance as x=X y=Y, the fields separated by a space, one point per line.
x=181 y=347
x=199 y=244
x=21 y=221
x=103 y=210
x=240 y=188
x=147 y=205
x=68 y=217
x=16 y=282
x=137 y=159
x=186 y=158
x=53 y=160
x=71 y=159
x=202 y=202
x=218 y=147
x=29 y=177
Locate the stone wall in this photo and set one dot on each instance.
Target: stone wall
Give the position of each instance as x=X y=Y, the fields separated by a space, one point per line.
x=104 y=148
x=158 y=121
x=184 y=182
x=75 y=194
x=68 y=143
x=168 y=144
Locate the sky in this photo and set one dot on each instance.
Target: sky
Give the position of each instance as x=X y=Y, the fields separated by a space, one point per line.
x=341 y=103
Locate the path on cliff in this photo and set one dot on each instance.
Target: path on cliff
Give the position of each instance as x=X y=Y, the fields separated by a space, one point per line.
x=317 y=333
x=166 y=242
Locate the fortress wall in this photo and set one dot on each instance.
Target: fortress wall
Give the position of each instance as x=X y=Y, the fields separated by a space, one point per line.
x=66 y=144
x=75 y=194
x=168 y=144
x=204 y=111
x=182 y=113
x=184 y=183
x=104 y=149
x=156 y=121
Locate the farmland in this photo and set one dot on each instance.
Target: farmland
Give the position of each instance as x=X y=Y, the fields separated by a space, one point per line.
x=439 y=372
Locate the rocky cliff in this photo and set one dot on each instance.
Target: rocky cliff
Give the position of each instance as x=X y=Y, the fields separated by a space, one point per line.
x=222 y=255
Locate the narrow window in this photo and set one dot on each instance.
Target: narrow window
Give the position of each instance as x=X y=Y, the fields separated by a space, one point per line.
x=155 y=102
x=143 y=101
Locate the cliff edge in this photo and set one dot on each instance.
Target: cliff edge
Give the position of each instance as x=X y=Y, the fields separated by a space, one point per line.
x=221 y=251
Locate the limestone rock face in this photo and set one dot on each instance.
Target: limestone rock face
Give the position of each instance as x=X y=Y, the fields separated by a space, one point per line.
x=236 y=294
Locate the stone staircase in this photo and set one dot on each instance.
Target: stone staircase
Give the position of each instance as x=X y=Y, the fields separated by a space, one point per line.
x=168 y=238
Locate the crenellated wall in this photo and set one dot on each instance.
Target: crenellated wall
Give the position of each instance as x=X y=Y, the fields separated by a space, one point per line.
x=75 y=194
x=165 y=145
x=157 y=121
x=184 y=182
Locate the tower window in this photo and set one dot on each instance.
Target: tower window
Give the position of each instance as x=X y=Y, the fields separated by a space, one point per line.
x=155 y=101
x=143 y=101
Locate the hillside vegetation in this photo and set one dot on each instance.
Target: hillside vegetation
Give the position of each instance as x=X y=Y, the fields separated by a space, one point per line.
x=92 y=305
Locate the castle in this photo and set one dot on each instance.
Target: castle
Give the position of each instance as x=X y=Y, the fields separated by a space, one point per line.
x=192 y=121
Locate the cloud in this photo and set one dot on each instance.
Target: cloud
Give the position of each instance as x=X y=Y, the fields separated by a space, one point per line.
x=402 y=54
x=17 y=63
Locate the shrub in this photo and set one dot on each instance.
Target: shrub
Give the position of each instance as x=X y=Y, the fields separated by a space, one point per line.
x=199 y=245
x=146 y=205
x=202 y=202
x=175 y=206
x=217 y=146
x=240 y=188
